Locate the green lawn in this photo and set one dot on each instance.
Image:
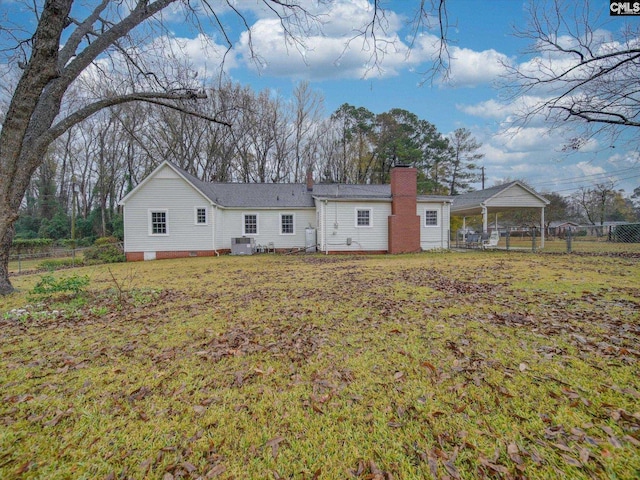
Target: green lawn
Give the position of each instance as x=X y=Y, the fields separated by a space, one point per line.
x=471 y=365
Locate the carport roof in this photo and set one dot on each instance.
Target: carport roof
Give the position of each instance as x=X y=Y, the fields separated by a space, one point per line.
x=509 y=196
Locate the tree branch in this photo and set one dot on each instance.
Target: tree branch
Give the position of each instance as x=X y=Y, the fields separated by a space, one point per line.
x=84 y=28
x=149 y=97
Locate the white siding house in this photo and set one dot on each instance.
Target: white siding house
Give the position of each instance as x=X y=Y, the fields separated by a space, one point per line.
x=167 y=214
x=354 y=226
x=435 y=222
x=171 y=214
x=284 y=228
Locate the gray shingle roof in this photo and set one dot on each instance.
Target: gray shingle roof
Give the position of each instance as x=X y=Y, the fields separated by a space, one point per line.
x=335 y=190
x=479 y=196
x=288 y=195
x=435 y=198
x=254 y=195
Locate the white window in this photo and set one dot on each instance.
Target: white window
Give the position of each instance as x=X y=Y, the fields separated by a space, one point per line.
x=363 y=217
x=287 y=224
x=158 y=222
x=201 y=216
x=430 y=218
x=250 y=224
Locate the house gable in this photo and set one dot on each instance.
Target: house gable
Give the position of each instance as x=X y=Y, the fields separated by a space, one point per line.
x=165 y=171
x=498 y=198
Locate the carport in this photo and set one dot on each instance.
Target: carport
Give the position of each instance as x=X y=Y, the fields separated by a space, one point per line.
x=510 y=196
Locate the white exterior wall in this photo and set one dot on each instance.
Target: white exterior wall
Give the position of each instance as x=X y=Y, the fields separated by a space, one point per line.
x=432 y=237
x=268 y=226
x=320 y=223
x=180 y=204
x=516 y=197
x=339 y=220
x=218 y=228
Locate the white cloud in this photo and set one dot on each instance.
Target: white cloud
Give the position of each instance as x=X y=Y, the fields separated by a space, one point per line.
x=626 y=159
x=529 y=139
x=588 y=169
x=204 y=54
x=342 y=48
x=495 y=156
x=469 y=68
x=491 y=109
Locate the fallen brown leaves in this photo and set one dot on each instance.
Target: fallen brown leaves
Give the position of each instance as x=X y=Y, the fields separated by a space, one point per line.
x=375 y=369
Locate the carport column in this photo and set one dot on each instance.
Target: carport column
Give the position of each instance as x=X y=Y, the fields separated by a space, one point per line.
x=542 y=227
x=484 y=219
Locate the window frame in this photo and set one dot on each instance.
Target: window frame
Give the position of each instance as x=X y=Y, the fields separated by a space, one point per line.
x=196 y=216
x=437 y=217
x=244 y=224
x=370 y=217
x=153 y=211
x=293 y=223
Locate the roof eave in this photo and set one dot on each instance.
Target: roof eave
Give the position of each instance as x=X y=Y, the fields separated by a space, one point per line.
x=351 y=199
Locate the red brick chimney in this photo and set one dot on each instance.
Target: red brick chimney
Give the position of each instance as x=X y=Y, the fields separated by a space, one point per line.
x=309 y=180
x=404 y=223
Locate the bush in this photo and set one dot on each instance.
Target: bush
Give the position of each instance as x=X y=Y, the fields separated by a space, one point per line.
x=31 y=245
x=27 y=226
x=56 y=263
x=104 y=250
x=117 y=226
x=58 y=227
x=49 y=286
x=105 y=241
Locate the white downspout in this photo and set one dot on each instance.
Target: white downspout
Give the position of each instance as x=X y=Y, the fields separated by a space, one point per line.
x=213 y=227
x=324 y=229
x=542 y=228
x=442 y=225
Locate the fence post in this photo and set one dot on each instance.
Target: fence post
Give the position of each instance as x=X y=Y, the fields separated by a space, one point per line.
x=569 y=240
x=508 y=239
x=533 y=239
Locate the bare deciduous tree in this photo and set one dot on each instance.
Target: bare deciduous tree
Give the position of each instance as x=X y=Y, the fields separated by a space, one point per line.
x=580 y=75
x=593 y=202
x=98 y=38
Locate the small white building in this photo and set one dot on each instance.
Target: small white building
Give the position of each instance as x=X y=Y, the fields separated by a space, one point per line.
x=173 y=214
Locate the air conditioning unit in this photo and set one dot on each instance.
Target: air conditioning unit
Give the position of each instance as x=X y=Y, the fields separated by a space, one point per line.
x=243 y=246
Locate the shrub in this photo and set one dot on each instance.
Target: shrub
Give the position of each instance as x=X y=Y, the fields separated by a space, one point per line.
x=104 y=250
x=49 y=286
x=105 y=241
x=56 y=263
x=31 y=245
x=57 y=227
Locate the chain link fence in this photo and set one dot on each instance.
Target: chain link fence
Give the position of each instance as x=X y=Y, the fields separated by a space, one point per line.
x=516 y=239
x=53 y=258
x=604 y=239
x=620 y=238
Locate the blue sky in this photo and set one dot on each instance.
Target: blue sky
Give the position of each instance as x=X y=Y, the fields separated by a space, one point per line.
x=481 y=36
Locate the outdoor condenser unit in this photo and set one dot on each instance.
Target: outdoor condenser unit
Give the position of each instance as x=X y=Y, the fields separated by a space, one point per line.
x=243 y=246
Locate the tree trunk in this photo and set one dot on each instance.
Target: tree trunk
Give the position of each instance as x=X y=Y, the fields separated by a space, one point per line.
x=5 y=247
